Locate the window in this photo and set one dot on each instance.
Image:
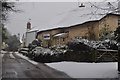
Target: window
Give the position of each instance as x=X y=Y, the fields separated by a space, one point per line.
x=46 y=36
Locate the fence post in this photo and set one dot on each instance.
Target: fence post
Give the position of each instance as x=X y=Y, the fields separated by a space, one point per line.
x=93 y=52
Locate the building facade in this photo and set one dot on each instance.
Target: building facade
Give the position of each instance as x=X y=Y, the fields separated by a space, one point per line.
x=91 y=30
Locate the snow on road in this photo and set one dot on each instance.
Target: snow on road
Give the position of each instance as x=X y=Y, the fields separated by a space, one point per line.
x=26 y=58
x=11 y=55
x=87 y=70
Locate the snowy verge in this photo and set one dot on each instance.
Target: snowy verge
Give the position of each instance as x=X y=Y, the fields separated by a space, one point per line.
x=3 y=52
x=87 y=70
x=11 y=55
x=1 y=55
x=26 y=58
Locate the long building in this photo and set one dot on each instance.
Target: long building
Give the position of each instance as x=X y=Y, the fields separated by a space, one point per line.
x=91 y=30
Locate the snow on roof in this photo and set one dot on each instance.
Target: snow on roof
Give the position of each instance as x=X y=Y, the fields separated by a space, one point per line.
x=91 y=12
x=32 y=30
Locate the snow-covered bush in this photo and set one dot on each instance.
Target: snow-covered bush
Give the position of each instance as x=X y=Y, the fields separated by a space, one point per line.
x=58 y=53
x=110 y=44
x=84 y=44
x=80 y=45
x=76 y=50
x=59 y=49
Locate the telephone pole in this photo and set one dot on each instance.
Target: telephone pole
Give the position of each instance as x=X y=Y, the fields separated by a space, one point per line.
x=119 y=42
x=0 y=25
x=0 y=39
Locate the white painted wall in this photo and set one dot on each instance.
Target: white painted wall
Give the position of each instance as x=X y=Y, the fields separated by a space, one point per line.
x=30 y=36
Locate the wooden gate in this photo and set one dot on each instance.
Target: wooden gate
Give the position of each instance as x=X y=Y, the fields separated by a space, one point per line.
x=106 y=55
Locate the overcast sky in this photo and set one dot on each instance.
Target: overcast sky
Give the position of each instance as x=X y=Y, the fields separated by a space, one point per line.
x=40 y=13
x=43 y=15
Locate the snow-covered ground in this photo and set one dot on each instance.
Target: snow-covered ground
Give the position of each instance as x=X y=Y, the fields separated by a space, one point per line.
x=87 y=70
x=83 y=70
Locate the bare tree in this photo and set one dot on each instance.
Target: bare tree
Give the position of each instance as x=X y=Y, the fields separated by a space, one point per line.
x=6 y=8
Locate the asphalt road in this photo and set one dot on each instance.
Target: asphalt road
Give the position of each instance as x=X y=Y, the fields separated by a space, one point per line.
x=15 y=67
